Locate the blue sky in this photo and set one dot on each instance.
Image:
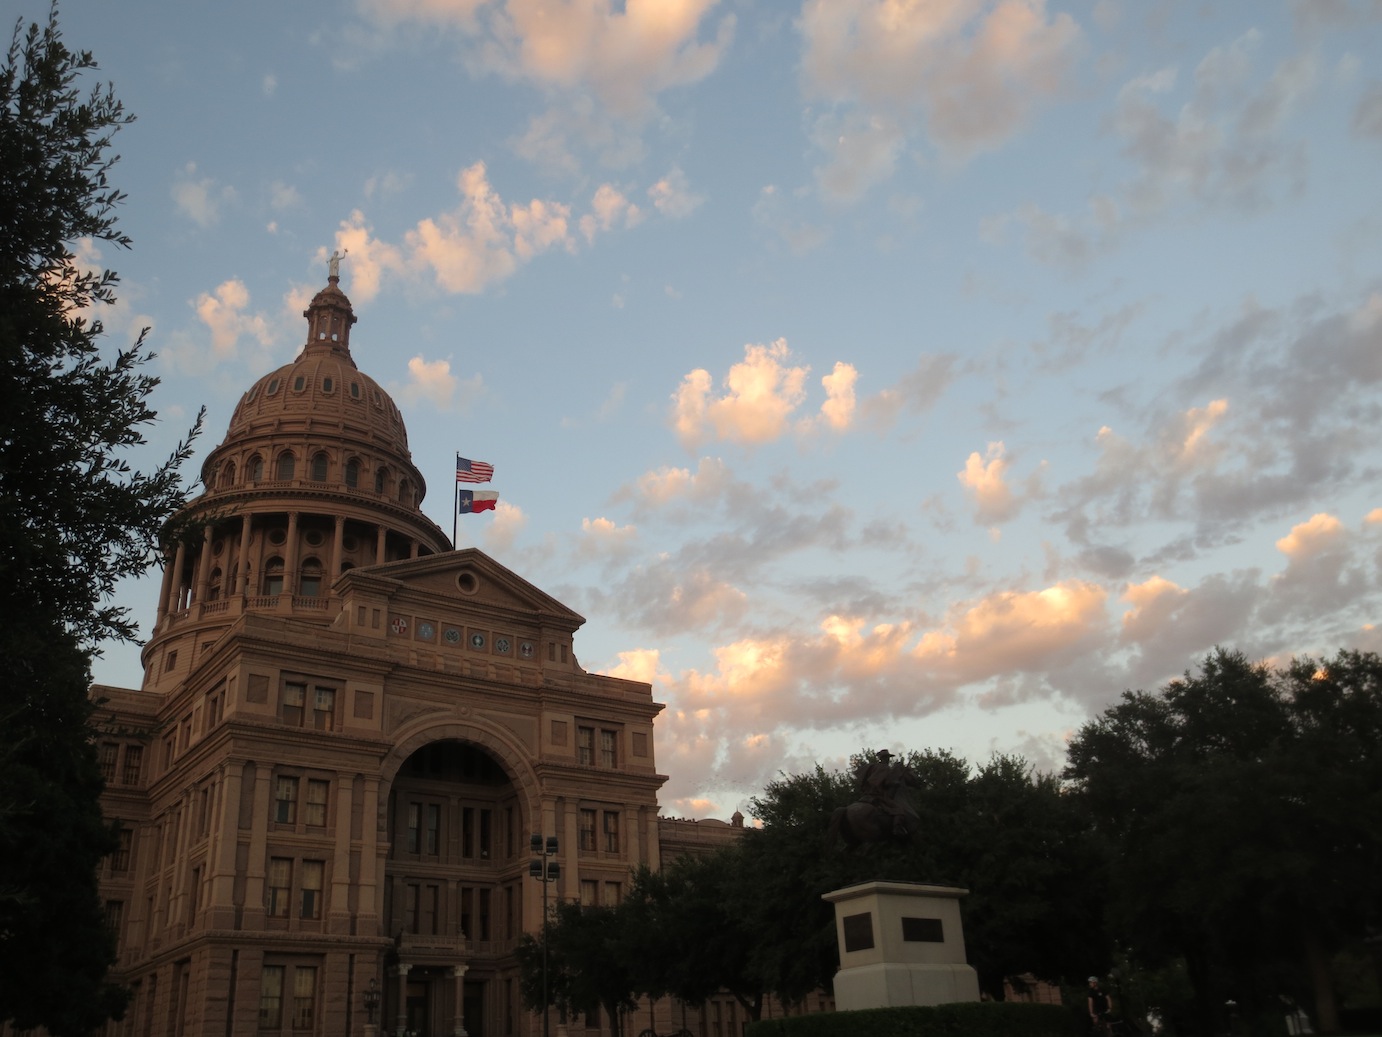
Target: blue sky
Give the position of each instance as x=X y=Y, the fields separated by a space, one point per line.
x=867 y=372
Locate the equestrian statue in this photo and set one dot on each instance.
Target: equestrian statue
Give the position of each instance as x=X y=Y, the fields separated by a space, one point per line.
x=882 y=813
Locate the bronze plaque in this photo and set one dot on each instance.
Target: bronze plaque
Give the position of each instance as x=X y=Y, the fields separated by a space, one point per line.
x=922 y=930
x=858 y=932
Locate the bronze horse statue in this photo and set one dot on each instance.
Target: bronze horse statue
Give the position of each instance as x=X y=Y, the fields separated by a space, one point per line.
x=865 y=823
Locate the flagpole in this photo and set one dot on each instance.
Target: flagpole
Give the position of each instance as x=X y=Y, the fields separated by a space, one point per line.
x=455 y=505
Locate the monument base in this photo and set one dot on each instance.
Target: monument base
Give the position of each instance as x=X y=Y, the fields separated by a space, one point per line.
x=901 y=943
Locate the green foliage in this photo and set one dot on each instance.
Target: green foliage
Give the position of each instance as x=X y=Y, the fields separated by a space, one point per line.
x=75 y=518
x=1243 y=810
x=964 y=1019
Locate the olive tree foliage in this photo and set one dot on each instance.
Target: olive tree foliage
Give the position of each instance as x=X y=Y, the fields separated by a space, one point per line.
x=1242 y=806
x=75 y=518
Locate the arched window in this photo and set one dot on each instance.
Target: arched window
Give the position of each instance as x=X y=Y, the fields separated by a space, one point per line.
x=352 y=473
x=273 y=577
x=286 y=466
x=213 y=586
x=228 y=475
x=319 y=467
x=405 y=490
x=310 y=583
x=381 y=480
x=256 y=469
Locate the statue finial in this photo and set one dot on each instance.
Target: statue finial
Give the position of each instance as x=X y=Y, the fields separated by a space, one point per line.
x=333 y=265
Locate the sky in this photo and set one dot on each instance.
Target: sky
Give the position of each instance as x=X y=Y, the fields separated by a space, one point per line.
x=918 y=374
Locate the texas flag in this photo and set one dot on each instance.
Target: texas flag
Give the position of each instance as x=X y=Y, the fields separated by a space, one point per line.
x=468 y=501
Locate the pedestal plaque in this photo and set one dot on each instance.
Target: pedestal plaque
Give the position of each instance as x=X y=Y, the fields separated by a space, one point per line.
x=901 y=943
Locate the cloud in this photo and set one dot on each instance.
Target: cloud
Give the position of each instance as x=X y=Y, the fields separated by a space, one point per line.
x=610 y=208
x=1367 y=114
x=223 y=312
x=916 y=392
x=1214 y=140
x=672 y=196
x=283 y=196
x=601 y=538
x=983 y=478
x=503 y=530
x=760 y=396
x=968 y=75
x=200 y=198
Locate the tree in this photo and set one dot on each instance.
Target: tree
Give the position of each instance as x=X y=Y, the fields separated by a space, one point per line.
x=593 y=962
x=1241 y=808
x=75 y=519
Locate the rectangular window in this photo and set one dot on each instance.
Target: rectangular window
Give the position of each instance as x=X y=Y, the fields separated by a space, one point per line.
x=613 y=894
x=611 y=831
x=120 y=859
x=115 y=918
x=427 y=910
x=467 y=911
x=280 y=886
x=590 y=892
x=286 y=800
x=294 y=702
x=315 y=814
x=304 y=997
x=585 y=746
x=467 y=831
x=486 y=819
x=194 y=896
x=587 y=830
x=109 y=751
x=609 y=756
x=134 y=763
x=432 y=843
x=412 y=898
x=324 y=709
x=271 y=997
x=312 y=875
x=414 y=827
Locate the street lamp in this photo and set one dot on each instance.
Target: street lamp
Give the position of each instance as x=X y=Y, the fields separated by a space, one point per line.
x=545 y=870
x=371 y=997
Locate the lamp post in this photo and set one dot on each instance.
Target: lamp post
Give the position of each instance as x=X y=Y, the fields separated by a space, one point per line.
x=545 y=870
x=371 y=1000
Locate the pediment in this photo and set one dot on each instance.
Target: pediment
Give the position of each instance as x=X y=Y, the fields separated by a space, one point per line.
x=466 y=581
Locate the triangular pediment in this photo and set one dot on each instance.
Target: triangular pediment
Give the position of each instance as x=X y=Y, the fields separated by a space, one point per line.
x=466 y=581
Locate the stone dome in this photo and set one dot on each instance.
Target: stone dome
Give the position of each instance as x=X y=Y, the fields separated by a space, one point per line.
x=323 y=385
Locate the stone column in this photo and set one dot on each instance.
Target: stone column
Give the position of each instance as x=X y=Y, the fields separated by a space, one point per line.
x=204 y=566
x=175 y=597
x=368 y=918
x=255 y=908
x=290 y=557
x=458 y=974
x=338 y=917
x=225 y=841
x=381 y=544
x=164 y=588
x=242 y=562
x=403 y=997
x=337 y=547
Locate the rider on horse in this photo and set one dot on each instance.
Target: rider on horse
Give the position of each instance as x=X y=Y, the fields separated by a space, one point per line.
x=880 y=783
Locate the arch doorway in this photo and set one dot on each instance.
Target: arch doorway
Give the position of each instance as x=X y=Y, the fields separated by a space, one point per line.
x=453 y=894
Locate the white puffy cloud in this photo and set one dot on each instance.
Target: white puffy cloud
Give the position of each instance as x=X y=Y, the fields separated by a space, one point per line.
x=508 y=521
x=224 y=313
x=609 y=208
x=984 y=479
x=761 y=394
x=672 y=196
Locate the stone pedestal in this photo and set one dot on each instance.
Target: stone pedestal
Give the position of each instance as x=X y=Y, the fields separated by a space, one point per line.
x=900 y=943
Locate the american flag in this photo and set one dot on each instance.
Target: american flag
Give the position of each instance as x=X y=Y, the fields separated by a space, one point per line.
x=473 y=471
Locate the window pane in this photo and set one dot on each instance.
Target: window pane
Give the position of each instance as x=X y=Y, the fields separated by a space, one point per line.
x=280 y=886
x=316 y=803
x=587 y=829
x=271 y=997
x=286 y=800
x=134 y=762
x=304 y=997
x=608 y=756
x=312 y=872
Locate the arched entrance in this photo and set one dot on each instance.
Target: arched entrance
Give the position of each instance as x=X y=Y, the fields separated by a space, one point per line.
x=453 y=895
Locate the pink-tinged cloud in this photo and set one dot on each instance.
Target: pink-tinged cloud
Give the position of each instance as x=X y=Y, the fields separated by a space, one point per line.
x=984 y=480
x=223 y=313
x=760 y=396
x=609 y=208
x=1320 y=533
x=367 y=259
x=1017 y=631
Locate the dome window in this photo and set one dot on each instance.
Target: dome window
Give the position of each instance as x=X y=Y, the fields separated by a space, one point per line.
x=273 y=387
x=228 y=475
x=319 y=467
x=381 y=480
x=327 y=385
x=352 y=473
x=273 y=577
x=299 y=383
x=354 y=390
x=310 y=583
x=213 y=585
x=286 y=466
x=256 y=468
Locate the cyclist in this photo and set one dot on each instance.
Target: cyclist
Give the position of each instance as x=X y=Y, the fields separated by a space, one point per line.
x=1100 y=1008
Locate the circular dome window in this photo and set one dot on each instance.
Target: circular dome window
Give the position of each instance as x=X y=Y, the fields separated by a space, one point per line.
x=467 y=583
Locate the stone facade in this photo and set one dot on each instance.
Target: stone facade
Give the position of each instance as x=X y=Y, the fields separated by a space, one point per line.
x=345 y=735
